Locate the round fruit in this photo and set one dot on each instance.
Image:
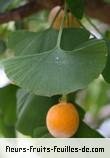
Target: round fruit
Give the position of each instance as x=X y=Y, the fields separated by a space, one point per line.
x=62 y=120
x=70 y=21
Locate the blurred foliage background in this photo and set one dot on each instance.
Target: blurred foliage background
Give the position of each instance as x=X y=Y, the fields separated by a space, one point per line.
x=95 y=99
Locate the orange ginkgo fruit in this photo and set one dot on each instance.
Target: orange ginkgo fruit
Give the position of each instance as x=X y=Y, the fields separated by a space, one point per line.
x=62 y=120
x=70 y=20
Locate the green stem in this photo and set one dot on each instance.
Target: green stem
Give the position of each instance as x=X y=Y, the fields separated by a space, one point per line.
x=55 y=17
x=64 y=98
x=62 y=26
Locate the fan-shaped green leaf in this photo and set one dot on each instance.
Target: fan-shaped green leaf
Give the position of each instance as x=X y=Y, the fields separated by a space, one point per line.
x=58 y=71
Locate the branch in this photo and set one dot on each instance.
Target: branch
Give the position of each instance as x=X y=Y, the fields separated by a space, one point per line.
x=28 y=9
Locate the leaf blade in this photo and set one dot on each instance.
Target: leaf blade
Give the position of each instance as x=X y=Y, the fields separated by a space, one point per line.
x=52 y=69
x=28 y=43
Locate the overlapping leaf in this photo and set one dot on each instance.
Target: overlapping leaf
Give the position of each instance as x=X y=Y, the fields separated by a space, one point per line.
x=31 y=111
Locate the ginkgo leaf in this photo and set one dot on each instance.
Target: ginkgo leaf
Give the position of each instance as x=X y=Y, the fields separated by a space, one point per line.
x=58 y=71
